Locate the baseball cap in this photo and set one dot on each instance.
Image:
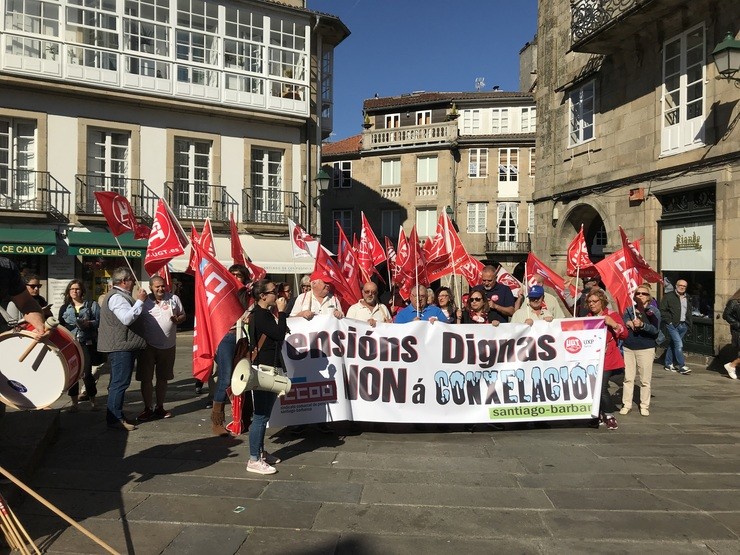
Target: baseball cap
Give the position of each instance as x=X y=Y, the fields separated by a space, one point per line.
x=536 y=291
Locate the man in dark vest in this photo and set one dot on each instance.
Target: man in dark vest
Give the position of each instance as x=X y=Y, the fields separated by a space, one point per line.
x=120 y=335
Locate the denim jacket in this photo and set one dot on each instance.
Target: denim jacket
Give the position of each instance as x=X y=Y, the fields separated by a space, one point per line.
x=89 y=311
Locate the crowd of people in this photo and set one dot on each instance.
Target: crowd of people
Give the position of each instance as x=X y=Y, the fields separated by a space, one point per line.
x=138 y=334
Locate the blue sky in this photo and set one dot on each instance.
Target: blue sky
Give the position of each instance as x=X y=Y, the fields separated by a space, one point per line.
x=401 y=46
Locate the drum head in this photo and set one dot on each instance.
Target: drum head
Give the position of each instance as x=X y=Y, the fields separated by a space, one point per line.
x=36 y=382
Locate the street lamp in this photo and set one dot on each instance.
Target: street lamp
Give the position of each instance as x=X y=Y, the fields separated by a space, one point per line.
x=322 y=184
x=727 y=58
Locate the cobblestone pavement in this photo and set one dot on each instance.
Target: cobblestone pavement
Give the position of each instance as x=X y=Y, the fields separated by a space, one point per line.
x=667 y=483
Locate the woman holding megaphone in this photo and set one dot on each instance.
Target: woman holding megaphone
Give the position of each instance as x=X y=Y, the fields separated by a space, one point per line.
x=264 y=322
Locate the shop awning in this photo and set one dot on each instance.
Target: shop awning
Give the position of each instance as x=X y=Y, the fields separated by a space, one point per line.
x=98 y=243
x=27 y=241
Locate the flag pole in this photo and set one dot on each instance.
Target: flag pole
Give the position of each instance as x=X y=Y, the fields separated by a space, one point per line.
x=126 y=259
x=416 y=279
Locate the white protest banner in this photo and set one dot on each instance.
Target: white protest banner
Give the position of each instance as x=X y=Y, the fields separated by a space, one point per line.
x=441 y=373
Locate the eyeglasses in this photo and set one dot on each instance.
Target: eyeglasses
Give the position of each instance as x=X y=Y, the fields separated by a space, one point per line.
x=639 y=294
x=305 y=287
x=271 y=292
x=34 y=285
x=593 y=301
x=476 y=299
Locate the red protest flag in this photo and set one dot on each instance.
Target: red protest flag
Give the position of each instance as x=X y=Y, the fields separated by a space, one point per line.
x=390 y=254
x=437 y=252
x=194 y=238
x=535 y=267
x=462 y=263
x=327 y=269
x=505 y=278
x=206 y=239
x=578 y=261
x=217 y=307
x=402 y=254
x=620 y=279
x=118 y=212
x=301 y=242
x=237 y=252
x=370 y=252
x=634 y=259
x=414 y=267
x=347 y=260
x=166 y=241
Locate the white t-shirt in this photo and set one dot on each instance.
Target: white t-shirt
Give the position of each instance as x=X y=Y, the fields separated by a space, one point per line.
x=159 y=330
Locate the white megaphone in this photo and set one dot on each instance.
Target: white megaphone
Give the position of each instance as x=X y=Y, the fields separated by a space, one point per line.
x=247 y=377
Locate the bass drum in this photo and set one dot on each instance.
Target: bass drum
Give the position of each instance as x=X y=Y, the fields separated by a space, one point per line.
x=50 y=369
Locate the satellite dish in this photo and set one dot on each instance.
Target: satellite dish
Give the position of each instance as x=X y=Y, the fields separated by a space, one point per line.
x=480 y=82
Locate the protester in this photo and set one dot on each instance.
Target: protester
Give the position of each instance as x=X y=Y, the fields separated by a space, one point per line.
x=369 y=309
x=446 y=304
x=581 y=309
x=549 y=301
x=161 y=313
x=732 y=317
x=431 y=297
x=33 y=286
x=500 y=298
x=419 y=309
x=616 y=330
x=82 y=318
x=675 y=310
x=224 y=360
x=12 y=285
x=273 y=327
x=319 y=299
x=643 y=326
x=477 y=310
x=534 y=308
x=121 y=336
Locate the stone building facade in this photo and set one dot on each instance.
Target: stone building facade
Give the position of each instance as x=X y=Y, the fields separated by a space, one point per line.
x=470 y=154
x=635 y=130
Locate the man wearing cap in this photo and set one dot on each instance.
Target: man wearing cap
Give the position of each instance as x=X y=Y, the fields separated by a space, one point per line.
x=534 y=308
x=318 y=300
x=550 y=302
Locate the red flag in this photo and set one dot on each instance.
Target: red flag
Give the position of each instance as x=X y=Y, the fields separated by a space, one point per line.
x=505 y=278
x=347 y=260
x=620 y=279
x=206 y=239
x=462 y=263
x=166 y=241
x=369 y=243
x=237 y=252
x=118 y=213
x=436 y=252
x=402 y=255
x=634 y=259
x=535 y=267
x=577 y=258
x=217 y=307
x=328 y=270
x=301 y=242
x=414 y=267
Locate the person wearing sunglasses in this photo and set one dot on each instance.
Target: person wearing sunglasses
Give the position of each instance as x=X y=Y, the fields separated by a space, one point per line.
x=33 y=286
x=500 y=299
x=643 y=325
x=477 y=310
x=368 y=309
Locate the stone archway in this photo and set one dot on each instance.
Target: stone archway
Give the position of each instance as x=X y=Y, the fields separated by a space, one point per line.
x=594 y=229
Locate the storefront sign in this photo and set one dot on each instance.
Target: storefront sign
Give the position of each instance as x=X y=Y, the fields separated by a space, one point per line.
x=687 y=247
x=421 y=372
x=107 y=252
x=28 y=249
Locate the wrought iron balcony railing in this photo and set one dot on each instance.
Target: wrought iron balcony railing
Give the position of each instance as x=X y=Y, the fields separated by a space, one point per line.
x=34 y=191
x=597 y=22
x=272 y=206
x=508 y=243
x=143 y=199
x=198 y=201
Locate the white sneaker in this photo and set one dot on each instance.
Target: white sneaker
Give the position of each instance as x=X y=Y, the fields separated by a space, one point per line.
x=670 y=368
x=684 y=370
x=644 y=412
x=731 y=371
x=260 y=467
x=624 y=410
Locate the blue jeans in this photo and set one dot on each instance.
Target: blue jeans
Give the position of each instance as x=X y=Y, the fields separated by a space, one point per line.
x=224 y=365
x=675 y=344
x=263 y=401
x=121 y=370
